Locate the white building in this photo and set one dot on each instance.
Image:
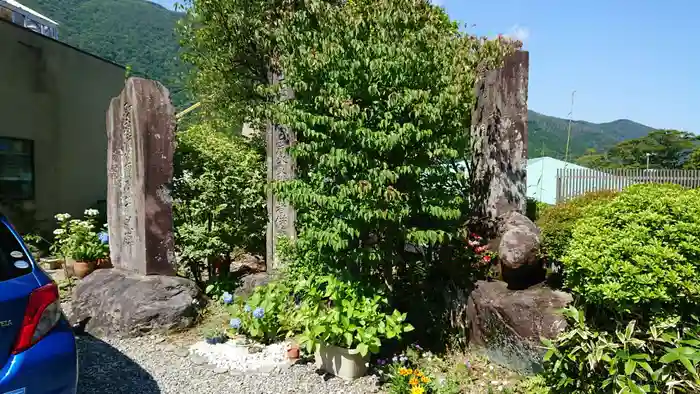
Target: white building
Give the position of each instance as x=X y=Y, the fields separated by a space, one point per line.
x=22 y=15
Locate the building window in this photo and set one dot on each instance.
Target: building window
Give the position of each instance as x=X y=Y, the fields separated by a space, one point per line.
x=16 y=169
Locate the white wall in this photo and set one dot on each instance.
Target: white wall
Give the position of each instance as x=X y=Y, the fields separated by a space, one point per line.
x=58 y=97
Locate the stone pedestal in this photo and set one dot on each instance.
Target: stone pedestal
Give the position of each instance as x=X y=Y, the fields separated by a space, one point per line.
x=499 y=142
x=116 y=302
x=140 y=130
x=508 y=324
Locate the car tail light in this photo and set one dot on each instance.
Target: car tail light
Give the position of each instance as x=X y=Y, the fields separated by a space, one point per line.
x=41 y=316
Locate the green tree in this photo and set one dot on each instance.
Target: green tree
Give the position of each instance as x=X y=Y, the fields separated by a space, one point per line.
x=664 y=148
x=383 y=93
x=232 y=48
x=219 y=199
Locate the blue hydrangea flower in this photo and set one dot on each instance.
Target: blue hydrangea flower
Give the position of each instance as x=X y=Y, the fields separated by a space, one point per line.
x=235 y=323
x=103 y=237
x=258 y=313
x=246 y=308
x=227 y=298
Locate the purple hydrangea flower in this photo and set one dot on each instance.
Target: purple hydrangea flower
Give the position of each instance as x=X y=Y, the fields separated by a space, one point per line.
x=235 y=323
x=103 y=237
x=258 y=313
x=227 y=298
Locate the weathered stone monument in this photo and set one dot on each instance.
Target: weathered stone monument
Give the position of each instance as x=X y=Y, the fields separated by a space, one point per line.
x=141 y=141
x=507 y=318
x=499 y=140
x=499 y=161
x=141 y=294
x=280 y=167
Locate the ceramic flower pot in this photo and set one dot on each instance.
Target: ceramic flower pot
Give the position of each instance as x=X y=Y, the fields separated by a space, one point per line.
x=341 y=362
x=82 y=269
x=293 y=352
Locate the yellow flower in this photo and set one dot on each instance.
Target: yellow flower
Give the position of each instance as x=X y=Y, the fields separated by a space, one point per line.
x=425 y=379
x=414 y=381
x=417 y=390
x=409 y=371
x=404 y=371
x=418 y=373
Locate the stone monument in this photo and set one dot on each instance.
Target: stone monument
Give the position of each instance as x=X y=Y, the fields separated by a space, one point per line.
x=280 y=167
x=141 y=294
x=141 y=141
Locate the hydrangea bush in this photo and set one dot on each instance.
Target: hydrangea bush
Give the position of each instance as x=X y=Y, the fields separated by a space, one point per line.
x=80 y=239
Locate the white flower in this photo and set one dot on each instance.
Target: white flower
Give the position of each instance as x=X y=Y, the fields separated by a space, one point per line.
x=59 y=231
x=91 y=212
x=62 y=217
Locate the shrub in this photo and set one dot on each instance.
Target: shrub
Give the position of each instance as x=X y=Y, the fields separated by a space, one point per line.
x=556 y=222
x=661 y=359
x=79 y=239
x=335 y=312
x=219 y=199
x=639 y=254
x=266 y=315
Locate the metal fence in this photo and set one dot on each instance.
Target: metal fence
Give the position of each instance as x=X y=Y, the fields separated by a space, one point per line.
x=572 y=182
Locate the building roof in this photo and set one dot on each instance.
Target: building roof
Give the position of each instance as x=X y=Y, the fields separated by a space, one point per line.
x=542 y=177
x=44 y=37
x=24 y=8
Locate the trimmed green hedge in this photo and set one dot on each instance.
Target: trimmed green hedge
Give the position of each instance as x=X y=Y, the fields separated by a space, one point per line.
x=639 y=254
x=556 y=222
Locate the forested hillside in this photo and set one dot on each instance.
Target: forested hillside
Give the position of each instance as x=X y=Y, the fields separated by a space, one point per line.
x=547 y=135
x=129 y=32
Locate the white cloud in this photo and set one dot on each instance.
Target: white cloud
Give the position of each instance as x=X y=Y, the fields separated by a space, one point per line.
x=519 y=33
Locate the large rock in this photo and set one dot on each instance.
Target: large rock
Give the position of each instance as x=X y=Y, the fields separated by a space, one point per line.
x=508 y=324
x=120 y=303
x=518 y=251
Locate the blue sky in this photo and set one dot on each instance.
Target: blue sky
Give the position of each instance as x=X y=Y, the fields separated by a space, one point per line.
x=624 y=58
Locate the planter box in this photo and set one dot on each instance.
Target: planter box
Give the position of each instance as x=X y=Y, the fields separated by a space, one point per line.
x=341 y=362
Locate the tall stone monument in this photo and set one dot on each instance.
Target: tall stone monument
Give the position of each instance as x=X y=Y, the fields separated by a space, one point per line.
x=141 y=294
x=499 y=140
x=141 y=141
x=280 y=167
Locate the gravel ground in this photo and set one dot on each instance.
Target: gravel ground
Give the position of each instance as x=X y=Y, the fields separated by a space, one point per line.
x=149 y=365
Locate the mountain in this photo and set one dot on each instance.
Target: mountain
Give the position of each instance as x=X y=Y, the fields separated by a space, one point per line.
x=547 y=135
x=141 y=34
x=136 y=33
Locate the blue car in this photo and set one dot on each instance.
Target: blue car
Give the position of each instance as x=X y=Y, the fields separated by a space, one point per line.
x=37 y=345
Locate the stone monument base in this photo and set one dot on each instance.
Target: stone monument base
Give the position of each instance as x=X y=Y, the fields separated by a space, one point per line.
x=119 y=303
x=508 y=324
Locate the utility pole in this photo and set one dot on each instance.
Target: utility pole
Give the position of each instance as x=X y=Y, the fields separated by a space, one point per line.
x=568 y=133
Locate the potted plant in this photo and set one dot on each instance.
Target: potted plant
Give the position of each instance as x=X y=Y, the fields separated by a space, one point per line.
x=342 y=325
x=78 y=240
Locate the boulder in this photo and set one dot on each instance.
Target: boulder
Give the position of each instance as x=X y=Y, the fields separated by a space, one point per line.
x=249 y=282
x=508 y=324
x=248 y=264
x=121 y=303
x=518 y=251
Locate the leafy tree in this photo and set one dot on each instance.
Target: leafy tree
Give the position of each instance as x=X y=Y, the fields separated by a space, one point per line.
x=383 y=93
x=666 y=149
x=219 y=199
x=232 y=48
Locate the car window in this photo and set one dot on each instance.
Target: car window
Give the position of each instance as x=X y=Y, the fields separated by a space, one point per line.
x=13 y=261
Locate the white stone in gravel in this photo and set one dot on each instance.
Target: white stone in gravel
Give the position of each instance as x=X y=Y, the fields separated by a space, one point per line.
x=235 y=357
